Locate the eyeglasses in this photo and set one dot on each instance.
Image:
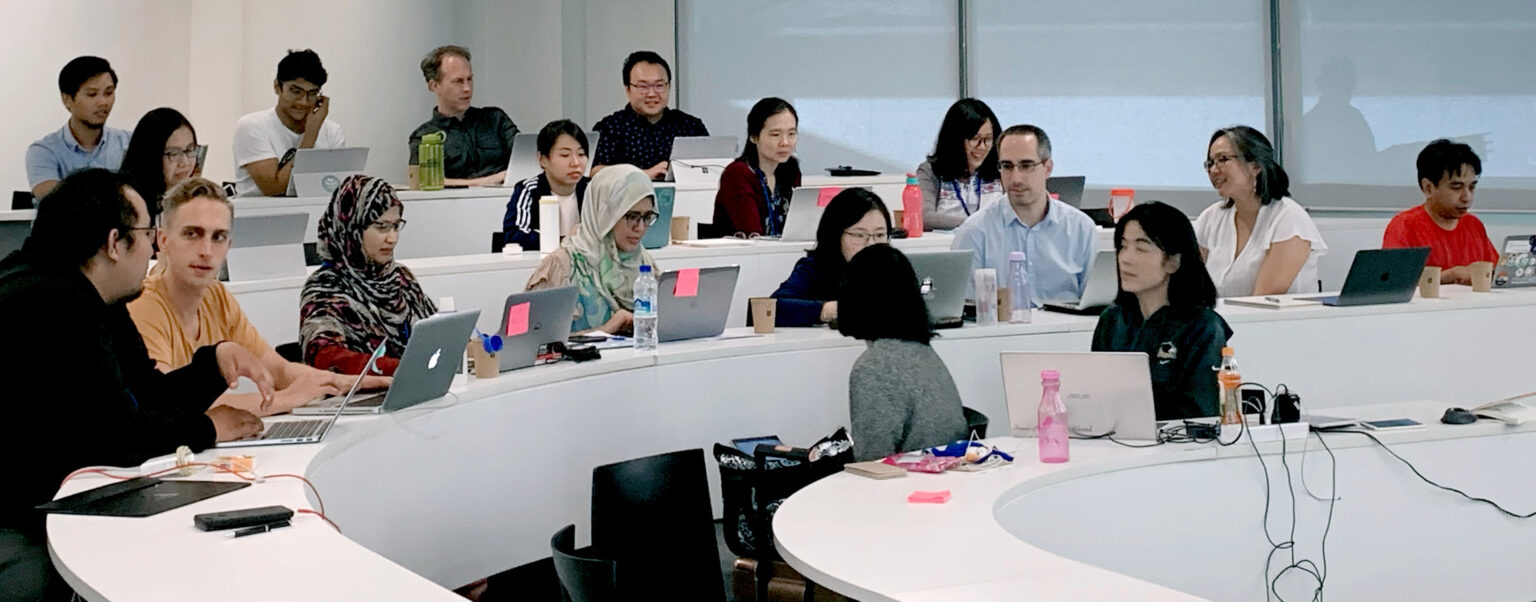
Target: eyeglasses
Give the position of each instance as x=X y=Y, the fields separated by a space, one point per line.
x=194 y=152
x=635 y=218
x=1219 y=160
x=387 y=227
x=658 y=87
x=979 y=141
x=297 y=93
x=1021 y=167
x=153 y=231
x=868 y=238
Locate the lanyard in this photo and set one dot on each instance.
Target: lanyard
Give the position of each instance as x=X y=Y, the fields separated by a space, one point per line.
x=771 y=223
x=958 y=195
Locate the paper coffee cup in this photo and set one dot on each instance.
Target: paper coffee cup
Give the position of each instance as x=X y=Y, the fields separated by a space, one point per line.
x=1429 y=283
x=680 y=226
x=764 y=314
x=1482 y=276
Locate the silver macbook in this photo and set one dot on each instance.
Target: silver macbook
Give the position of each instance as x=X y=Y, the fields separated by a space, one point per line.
x=525 y=159
x=1104 y=392
x=693 y=303
x=432 y=356
x=266 y=246
x=283 y=432
x=942 y=275
x=1099 y=291
x=700 y=159
x=317 y=172
x=532 y=319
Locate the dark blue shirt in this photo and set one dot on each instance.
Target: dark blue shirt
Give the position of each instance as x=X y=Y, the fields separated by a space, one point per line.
x=808 y=287
x=628 y=137
x=1183 y=345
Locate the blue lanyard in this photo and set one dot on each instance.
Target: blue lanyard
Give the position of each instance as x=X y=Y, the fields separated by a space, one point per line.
x=770 y=226
x=961 y=197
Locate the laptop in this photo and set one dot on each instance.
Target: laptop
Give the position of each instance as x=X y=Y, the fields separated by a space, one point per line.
x=1068 y=189
x=266 y=246
x=525 y=159
x=1105 y=392
x=305 y=431
x=698 y=308
x=432 y=357
x=700 y=160
x=941 y=275
x=532 y=319
x=660 y=233
x=1100 y=290
x=318 y=172
x=1517 y=262
x=1378 y=277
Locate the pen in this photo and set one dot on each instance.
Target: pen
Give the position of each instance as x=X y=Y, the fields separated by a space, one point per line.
x=258 y=529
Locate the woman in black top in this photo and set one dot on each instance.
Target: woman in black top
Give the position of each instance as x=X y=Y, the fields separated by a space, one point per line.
x=1166 y=309
x=854 y=219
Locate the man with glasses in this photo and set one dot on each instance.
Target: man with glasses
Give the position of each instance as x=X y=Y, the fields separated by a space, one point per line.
x=184 y=306
x=641 y=133
x=88 y=89
x=266 y=141
x=1057 y=239
x=84 y=393
x=478 y=142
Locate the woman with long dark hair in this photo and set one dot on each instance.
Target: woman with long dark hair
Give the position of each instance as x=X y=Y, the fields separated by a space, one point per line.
x=961 y=174
x=163 y=152
x=854 y=219
x=1166 y=309
x=754 y=189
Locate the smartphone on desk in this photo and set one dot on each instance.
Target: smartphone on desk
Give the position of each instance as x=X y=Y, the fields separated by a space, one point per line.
x=1394 y=424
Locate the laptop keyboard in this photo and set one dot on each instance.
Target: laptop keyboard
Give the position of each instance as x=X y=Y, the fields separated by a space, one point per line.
x=293 y=429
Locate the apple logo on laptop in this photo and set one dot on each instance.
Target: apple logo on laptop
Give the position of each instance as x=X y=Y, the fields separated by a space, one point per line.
x=432 y=362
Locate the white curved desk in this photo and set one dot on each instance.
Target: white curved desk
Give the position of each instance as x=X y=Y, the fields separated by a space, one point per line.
x=1182 y=522
x=457 y=489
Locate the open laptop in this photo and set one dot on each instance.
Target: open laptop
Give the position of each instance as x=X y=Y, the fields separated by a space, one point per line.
x=1517 y=262
x=525 y=159
x=431 y=358
x=1378 y=277
x=266 y=246
x=306 y=431
x=1099 y=291
x=317 y=172
x=1105 y=392
x=698 y=308
x=1068 y=189
x=532 y=319
x=941 y=275
x=700 y=159
x=660 y=233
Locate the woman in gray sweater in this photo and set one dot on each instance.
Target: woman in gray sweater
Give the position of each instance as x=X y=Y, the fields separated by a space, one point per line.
x=900 y=394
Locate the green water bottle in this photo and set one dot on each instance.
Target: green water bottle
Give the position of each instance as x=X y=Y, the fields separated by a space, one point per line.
x=429 y=160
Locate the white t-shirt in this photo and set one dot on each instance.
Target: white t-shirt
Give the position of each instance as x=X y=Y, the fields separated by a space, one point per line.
x=1281 y=220
x=261 y=135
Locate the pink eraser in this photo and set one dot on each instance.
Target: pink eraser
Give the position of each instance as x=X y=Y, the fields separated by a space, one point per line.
x=928 y=497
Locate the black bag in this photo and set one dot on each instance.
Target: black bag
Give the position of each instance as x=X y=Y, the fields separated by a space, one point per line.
x=753 y=486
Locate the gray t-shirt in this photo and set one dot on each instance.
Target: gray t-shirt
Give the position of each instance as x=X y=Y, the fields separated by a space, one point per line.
x=901 y=398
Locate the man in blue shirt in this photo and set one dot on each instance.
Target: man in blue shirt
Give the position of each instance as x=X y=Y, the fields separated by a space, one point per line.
x=88 y=87
x=641 y=133
x=1057 y=239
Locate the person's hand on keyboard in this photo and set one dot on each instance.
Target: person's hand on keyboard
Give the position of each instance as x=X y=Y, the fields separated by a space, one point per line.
x=235 y=361
x=230 y=424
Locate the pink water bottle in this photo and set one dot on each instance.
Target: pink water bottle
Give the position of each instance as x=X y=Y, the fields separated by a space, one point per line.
x=1051 y=428
x=912 y=208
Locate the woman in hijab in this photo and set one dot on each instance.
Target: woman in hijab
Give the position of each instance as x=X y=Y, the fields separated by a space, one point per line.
x=360 y=296
x=604 y=257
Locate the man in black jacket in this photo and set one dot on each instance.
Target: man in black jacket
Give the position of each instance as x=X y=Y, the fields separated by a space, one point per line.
x=80 y=389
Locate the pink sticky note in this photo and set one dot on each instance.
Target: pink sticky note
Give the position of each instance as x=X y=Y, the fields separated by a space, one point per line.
x=824 y=195
x=1055 y=197
x=928 y=497
x=687 y=283
x=517 y=319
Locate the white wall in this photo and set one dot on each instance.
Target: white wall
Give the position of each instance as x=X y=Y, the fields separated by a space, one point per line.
x=214 y=60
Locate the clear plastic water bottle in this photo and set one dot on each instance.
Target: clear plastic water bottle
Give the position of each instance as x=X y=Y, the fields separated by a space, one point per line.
x=912 y=208
x=645 y=311
x=1018 y=289
x=1051 y=425
x=985 y=286
x=1230 y=380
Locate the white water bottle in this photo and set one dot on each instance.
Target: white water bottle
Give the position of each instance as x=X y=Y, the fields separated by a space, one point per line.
x=645 y=311
x=1018 y=289
x=549 y=224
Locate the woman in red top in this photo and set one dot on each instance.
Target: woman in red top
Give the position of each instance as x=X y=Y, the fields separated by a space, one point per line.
x=754 y=189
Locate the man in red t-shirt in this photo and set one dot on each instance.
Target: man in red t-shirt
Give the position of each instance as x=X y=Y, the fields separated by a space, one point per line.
x=1448 y=174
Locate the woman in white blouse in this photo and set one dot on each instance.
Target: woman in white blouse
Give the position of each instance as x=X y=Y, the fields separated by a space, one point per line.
x=1257 y=241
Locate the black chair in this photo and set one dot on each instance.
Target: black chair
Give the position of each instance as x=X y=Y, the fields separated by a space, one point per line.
x=22 y=199
x=975 y=423
x=653 y=516
x=583 y=577
x=291 y=352
x=498 y=241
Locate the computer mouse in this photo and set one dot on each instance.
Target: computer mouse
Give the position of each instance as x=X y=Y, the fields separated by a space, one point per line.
x=1458 y=416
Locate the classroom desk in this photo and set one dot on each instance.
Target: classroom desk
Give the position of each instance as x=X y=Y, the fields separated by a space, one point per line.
x=1183 y=521
x=475 y=483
